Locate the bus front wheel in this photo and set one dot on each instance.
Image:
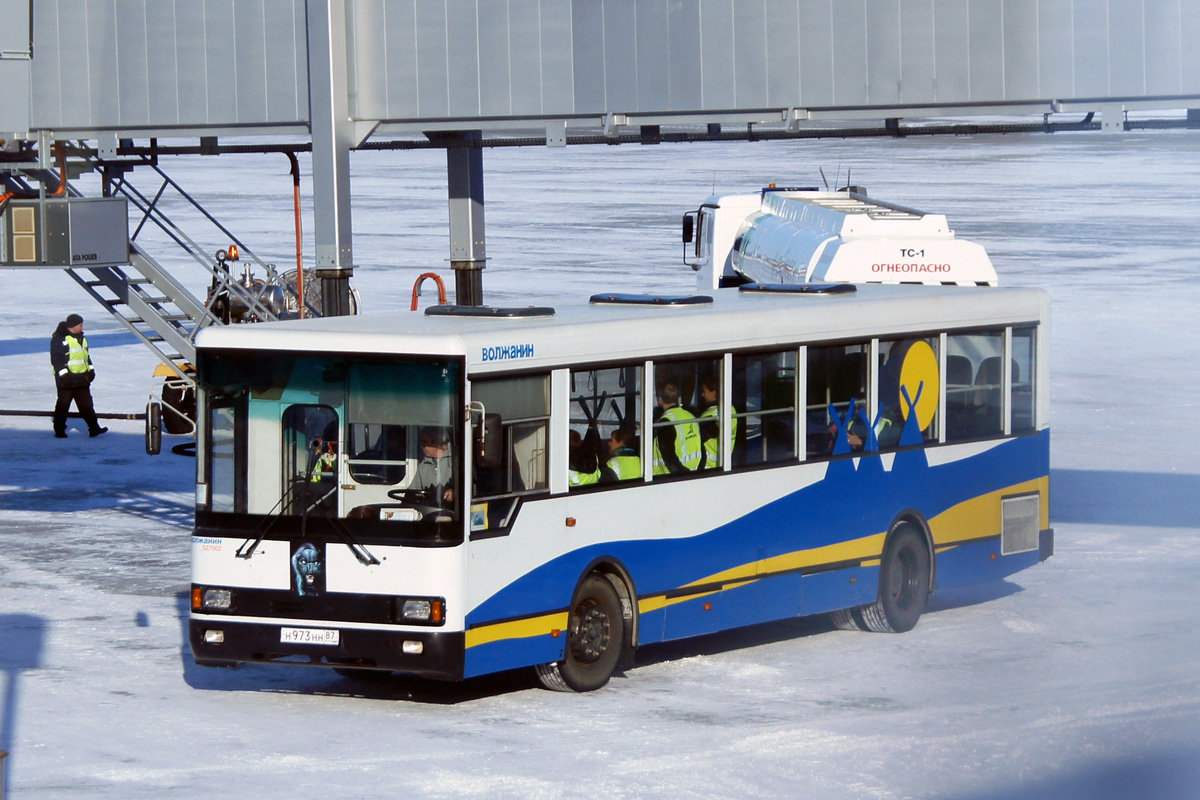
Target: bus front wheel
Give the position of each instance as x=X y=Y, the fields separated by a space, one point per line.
x=595 y=636
x=903 y=583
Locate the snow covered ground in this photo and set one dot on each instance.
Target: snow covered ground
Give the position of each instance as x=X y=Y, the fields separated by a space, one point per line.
x=1080 y=677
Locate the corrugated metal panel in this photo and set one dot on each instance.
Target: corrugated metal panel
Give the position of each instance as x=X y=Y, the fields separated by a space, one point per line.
x=1164 y=63
x=951 y=20
x=683 y=23
x=1127 y=46
x=1020 y=50
x=495 y=59
x=783 y=52
x=917 y=53
x=587 y=48
x=558 y=68
x=882 y=51
x=463 y=74
x=620 y=55
x=130 y=64
x=750 y=54
x=717 y=89
x=1091 y=53
x=653 y=55
x=816 y=52
x=1056 y=49
x=849 y=52
x=985 y=27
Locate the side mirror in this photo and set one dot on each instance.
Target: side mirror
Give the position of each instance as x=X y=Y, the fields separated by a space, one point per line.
x=689 y=227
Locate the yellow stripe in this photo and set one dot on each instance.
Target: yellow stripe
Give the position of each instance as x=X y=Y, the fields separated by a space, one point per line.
x=517 y=629
x=980 y=516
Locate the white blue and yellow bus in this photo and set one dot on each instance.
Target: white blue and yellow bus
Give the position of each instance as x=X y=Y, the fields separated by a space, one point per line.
x=472 y=490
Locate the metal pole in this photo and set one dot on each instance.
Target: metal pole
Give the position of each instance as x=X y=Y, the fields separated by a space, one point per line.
x=332 y=139
x=468 y=254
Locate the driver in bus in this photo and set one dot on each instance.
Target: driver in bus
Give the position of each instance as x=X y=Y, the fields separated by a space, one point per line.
x=434 y=472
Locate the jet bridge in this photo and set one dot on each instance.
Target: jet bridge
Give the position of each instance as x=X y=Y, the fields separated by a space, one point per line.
x=116 y=86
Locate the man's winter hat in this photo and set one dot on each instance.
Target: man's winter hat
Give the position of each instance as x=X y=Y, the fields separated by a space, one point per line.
x=74 y=320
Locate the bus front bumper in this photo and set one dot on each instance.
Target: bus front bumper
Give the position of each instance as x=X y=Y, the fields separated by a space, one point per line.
x=217 y=641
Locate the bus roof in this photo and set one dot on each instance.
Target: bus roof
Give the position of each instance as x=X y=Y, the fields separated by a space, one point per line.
x=588 y=332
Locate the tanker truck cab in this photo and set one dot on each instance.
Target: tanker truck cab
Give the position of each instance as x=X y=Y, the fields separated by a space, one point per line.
x=793 y=236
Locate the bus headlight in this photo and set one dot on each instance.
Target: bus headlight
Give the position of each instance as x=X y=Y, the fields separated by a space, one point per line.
x=209 y=599
x=420 y=610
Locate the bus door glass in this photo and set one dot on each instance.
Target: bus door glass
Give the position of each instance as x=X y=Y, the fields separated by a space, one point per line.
x=310 y=459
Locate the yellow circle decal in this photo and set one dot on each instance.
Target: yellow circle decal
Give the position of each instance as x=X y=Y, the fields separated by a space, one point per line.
x=920 y=367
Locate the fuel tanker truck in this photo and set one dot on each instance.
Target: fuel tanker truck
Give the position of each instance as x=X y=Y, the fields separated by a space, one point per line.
x=795 y=236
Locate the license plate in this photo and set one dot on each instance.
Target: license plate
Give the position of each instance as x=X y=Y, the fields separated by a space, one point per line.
x=309 y=636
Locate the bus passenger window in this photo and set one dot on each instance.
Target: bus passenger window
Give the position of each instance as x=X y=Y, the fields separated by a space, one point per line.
x=909 y=384
x=764 y=408
x=837 y=380
x=605 y=419
x=1024 y=416
x=517 y=411
x=678 y=444
x=973 y=385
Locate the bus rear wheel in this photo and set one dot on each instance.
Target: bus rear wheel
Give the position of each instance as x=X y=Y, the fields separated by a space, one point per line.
x=595 y=637
x=903 y=583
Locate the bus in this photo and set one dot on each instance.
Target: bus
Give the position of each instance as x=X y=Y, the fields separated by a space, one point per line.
x=478 y=489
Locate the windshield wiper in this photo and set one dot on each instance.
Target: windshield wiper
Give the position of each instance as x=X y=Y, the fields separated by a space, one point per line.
x=247 y=548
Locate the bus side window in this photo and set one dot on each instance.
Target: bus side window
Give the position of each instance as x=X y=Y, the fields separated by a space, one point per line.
x=518 y=411
x=1024 y=416
x=764 y=408
x=908 y=377
x=837 y=375
x=973 y=388
x=605 y=422
x=679 y=401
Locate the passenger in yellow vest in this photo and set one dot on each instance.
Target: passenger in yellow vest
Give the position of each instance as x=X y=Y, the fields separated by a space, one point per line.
x=677 y=447
x=710 y=423
x=73 y=376
x=624 y=463
x=326 y=465
x=583 y=467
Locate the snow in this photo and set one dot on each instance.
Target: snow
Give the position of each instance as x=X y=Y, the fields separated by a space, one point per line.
x=1079 y=677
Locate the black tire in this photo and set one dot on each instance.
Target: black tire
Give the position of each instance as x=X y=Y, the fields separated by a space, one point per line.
x=184 y=401
x=153 y=428
x=903 y=583
x=846 y=619
x=595 y=639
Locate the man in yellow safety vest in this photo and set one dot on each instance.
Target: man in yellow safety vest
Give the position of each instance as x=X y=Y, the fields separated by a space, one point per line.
x=73 y=375
x=677 y=446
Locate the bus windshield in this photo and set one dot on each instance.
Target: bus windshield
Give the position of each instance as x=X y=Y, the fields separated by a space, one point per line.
x=367 y=440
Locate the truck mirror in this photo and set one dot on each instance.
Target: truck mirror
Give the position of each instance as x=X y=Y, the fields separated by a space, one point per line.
x=689 y=227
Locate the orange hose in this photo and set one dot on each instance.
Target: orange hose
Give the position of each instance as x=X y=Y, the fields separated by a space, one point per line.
x=417 y=288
